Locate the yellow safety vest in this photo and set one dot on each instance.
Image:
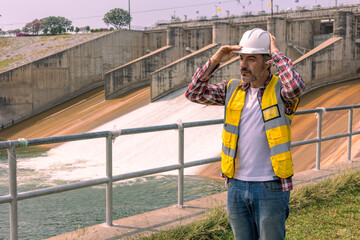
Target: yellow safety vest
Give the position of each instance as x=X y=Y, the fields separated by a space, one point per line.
x=277 y=126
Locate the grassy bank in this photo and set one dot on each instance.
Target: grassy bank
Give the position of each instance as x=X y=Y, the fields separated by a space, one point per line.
x=16 y=51
x=326 y=210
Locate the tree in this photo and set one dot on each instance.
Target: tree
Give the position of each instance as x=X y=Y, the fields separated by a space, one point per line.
x=24 y=30
x=34 y=26
x=13 y=32
x=57 y=30
x=117 y=17
x=56 y=25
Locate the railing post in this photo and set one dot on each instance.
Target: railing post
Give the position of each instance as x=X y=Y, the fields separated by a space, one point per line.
x=13 y=193
x=318 y=145
x=181 y=162
x=109 y=195
x=350 y=131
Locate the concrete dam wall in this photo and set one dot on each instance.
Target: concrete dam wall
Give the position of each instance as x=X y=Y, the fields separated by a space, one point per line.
x=323 y=44
x=49 y=81
x=138 y=72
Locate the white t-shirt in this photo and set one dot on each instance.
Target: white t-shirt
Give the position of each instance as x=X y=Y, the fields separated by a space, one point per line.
x=253 y=153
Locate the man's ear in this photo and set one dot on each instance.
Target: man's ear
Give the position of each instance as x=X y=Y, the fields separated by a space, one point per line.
x=268 y=64
x=269 y=61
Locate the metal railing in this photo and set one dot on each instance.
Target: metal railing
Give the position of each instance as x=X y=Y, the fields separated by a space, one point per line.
x=11 y=146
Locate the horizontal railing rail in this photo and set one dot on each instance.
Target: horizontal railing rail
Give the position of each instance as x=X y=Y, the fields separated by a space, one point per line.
x=13 y=197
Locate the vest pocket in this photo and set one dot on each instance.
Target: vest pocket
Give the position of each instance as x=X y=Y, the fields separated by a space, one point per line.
x=229 y=139
x=232 y=116
x=226 y=136
x=282 y=164
x=227 y=165
x=278 y=135
x=270 y=113
x=228 y=153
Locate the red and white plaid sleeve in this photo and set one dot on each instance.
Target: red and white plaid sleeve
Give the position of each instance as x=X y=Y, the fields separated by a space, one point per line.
x=292 y=87
x=202 y=92
x=293 y=84
x=287 y=184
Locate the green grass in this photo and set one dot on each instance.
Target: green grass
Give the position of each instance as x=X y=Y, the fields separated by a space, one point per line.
x=215 y=225
x=48 y=38
x=4 y=63
x=326 y=210
x=37 y=52
x=5 y=42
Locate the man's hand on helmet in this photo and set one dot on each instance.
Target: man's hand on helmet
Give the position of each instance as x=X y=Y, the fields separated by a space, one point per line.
x=273 y=44
x=225 y=53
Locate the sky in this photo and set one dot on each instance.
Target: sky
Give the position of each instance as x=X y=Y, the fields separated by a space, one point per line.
x=145 y=13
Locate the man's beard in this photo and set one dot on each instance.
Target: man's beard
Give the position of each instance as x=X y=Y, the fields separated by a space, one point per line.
x=249 y=78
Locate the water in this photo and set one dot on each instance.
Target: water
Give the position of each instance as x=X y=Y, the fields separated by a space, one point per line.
x=55 y=214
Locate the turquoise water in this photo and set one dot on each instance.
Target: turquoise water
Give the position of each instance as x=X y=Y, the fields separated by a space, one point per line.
x=55 y=214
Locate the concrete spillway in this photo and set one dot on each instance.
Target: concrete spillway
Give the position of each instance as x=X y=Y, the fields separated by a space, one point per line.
x=79 y=115
x=91 y=111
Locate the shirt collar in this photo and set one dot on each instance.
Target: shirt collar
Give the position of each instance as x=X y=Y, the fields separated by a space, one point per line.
x=245 y=86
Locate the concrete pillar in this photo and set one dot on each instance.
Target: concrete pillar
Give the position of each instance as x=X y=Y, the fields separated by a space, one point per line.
x=221 y=33
x=340 y=24
x=277 y=27
x=175 y=38
x=350 y=25
x=350 y=61
x=344 y=27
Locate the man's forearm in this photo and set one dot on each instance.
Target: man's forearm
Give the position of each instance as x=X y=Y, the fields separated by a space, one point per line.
x=213 y=65
x=293 y=84
x=200 y=92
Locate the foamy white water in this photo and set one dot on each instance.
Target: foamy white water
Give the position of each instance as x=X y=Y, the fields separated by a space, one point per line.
x=83 y=160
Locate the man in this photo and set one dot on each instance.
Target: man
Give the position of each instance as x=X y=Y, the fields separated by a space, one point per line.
x=255 y=157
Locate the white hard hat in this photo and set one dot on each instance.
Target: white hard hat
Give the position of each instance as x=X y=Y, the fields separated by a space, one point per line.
x=255 y=41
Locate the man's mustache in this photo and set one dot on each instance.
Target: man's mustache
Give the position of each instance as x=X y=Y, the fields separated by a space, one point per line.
x=245 y=70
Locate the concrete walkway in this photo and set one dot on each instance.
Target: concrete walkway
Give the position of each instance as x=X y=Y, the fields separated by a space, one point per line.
x=140 y=225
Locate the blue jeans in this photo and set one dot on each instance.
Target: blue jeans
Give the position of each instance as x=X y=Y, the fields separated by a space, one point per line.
x=257 y=210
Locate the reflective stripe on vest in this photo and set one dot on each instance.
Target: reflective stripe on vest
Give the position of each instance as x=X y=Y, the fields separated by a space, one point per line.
x=277 y=127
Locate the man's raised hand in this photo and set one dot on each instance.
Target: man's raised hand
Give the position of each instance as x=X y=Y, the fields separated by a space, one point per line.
x=225 y=53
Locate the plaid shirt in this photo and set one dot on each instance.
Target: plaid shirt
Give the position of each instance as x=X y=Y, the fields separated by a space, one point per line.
x=214 y=94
